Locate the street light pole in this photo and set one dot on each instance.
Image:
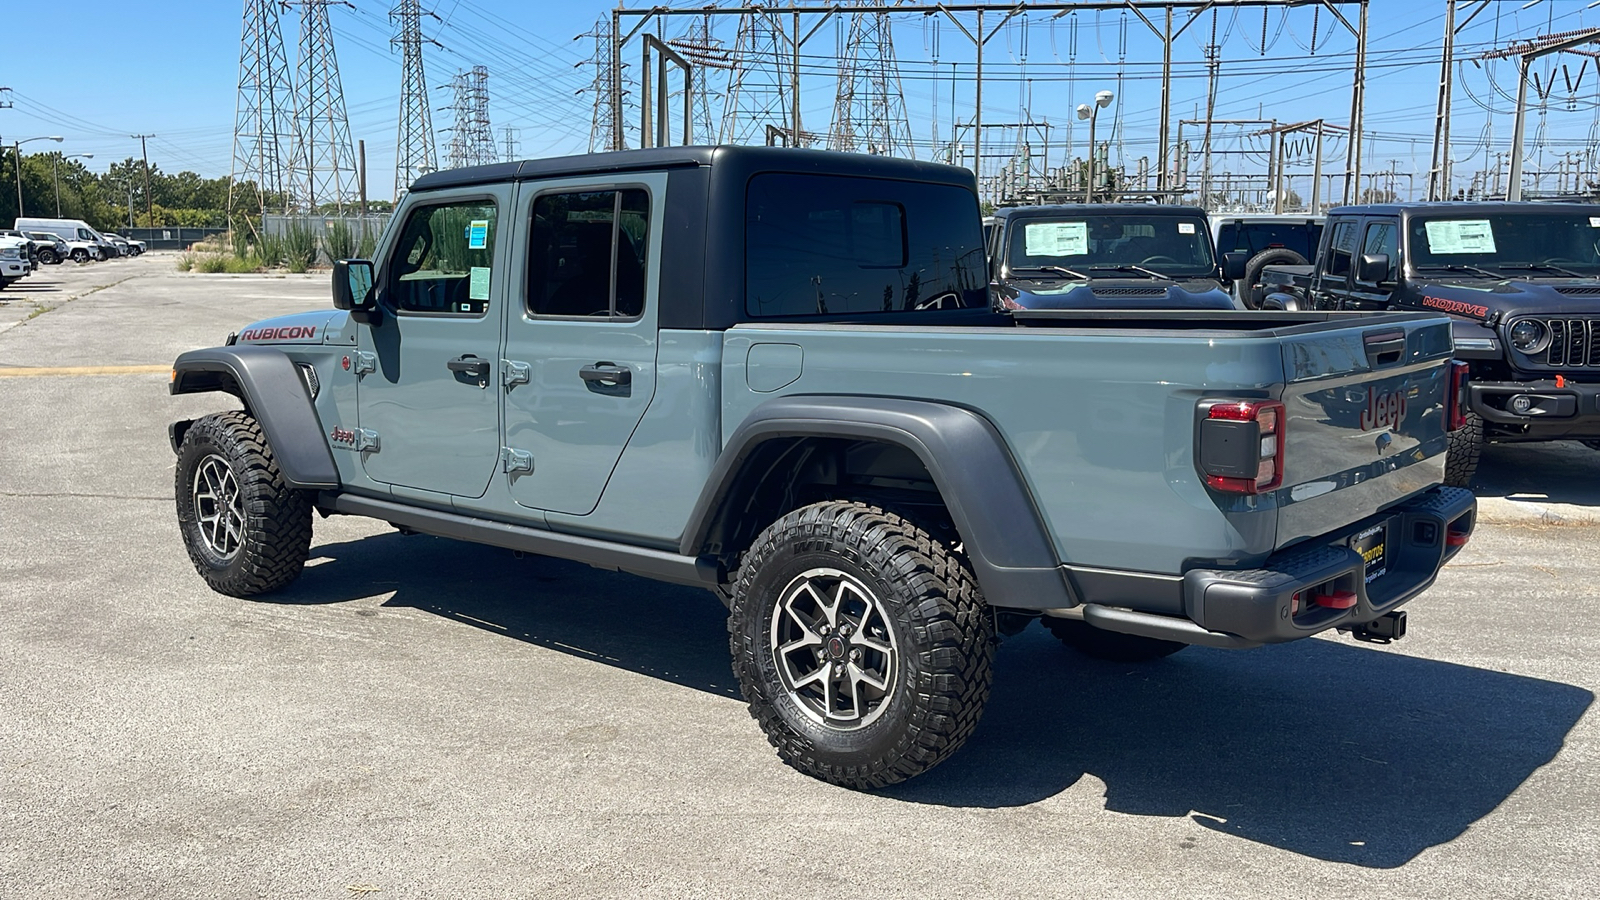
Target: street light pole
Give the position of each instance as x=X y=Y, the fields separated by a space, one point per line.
x=16 y=148
x=1085 y=111
x=55 y=174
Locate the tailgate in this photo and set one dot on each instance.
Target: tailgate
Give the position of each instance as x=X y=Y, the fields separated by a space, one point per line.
x=1366 y=423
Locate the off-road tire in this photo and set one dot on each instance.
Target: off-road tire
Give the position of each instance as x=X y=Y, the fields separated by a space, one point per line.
x=276 y=527
x=1466 y=445
x=1272 y=256
x=940 y=624
x=80 y=255
x=1113 y=646
x=48 y=257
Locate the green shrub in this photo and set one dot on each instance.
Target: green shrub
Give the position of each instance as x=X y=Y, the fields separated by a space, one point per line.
x=368 y=245
x=211 y=263
x=299 y=247
x=185 y=262
x=339 y=242
x=272 y=253
x=239 y=240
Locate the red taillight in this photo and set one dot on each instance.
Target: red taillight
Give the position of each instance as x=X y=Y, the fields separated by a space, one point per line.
x=1456 y=402
x=1241 y=446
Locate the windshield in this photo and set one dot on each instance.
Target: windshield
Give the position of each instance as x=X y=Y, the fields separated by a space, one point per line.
x=1165 y=245
x=1532 y=244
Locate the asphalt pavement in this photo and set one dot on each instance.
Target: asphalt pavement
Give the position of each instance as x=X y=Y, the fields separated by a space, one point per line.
x=417 y=717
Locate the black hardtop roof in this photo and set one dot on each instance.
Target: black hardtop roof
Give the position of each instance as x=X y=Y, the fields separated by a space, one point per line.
x=750 y=158
x=1097 y=209
x=1453 y=207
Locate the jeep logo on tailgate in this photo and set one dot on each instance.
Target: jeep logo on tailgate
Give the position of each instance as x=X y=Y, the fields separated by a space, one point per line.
x=1384 y=410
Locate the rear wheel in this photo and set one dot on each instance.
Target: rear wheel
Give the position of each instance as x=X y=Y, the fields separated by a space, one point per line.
x=1109 y=645
x=1272 y=256
x=247 y=532
x=49 y=257
x=1466 y=446
x=861 y=643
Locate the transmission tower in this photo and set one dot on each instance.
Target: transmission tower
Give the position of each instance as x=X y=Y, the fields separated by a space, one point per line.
x=508 y=137
x=324 y=163
x=707 y=54
x=471 y=138
x=758 y=94
x=869 y=110
x=600 y=88
x=263 y=129
x=414 y=151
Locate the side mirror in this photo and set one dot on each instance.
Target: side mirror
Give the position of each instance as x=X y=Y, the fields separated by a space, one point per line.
x=1373 y=268
x=1233 y=263
x=352 y=285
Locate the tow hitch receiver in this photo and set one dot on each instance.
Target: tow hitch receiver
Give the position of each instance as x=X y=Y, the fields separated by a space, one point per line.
x=1385 y=629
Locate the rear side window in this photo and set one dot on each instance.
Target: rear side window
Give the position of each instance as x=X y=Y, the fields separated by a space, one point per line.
x=1340 y=249
x=818 y=245
x=443 y=259
x=586 y=256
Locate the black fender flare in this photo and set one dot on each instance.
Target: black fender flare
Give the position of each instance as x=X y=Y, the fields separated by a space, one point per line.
x=990 y=503
x=273 y=391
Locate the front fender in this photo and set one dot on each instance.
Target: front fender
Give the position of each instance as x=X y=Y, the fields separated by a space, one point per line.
x=272 y=391
x=992 y=508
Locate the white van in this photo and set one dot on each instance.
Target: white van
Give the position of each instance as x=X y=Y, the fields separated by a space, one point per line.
x=83 y=242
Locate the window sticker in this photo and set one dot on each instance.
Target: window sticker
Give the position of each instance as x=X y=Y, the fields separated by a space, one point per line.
x=1594 y=221
x=1186 y=228
x=478 y=234
x=1460 y=236
x=478 y=288
x=1056 y=239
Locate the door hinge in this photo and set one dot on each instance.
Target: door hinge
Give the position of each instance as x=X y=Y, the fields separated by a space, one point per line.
x=516 y=461
x=366 y=440
x=366 y=363
x=514 y=373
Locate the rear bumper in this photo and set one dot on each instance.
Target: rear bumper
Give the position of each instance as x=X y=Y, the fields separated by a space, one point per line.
x=1569 y=411
x=1235 y=608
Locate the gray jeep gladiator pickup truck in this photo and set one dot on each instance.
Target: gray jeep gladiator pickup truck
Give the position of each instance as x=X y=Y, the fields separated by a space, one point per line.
x=776 y=374
x=1521 y=282
x=1108 y=256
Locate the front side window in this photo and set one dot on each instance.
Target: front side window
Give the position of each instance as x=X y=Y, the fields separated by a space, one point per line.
x=818 y=245
x=444 y=258
x=1169 y=245
x=1383 y=237
x=586 y=256
x=1339 y=251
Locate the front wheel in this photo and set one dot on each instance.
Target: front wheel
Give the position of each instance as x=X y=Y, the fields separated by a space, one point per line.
x=80 y=255
x=1466 y=446
x=861 y=643
x=1113 y=646
x=48 y=257
x=247 y=532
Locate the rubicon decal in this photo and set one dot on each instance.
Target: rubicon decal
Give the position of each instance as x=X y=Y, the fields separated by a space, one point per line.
x=1457 y=307
x=1384 y=410
x=286 y=333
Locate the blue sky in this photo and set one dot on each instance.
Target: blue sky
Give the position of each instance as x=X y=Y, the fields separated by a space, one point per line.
x=171 y=68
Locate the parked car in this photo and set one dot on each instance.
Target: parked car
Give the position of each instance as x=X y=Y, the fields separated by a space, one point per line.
x=776 y=374
x=14 y=263
x=124 y=246
x=1522 y=284
x=1267 y=239
x=1107 y=256
x=84 y=241
x=58 y=251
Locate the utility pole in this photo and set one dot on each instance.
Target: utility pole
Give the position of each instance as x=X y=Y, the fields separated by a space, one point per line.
x=149 y=213
x=361 y=174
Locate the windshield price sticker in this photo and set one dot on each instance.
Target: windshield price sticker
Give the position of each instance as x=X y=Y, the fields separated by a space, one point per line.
x=1186 y=228
x=1460 y=236
x=1056 y=239
x=478 y=234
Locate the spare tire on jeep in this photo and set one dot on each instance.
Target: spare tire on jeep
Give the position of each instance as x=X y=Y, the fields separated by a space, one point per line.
x=1272 y=256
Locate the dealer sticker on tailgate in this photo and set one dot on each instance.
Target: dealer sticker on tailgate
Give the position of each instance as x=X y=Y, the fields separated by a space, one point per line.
x=1370 y=543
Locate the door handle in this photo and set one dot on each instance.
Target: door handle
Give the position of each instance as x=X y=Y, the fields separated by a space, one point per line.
x=469 y=365
x=607 y=374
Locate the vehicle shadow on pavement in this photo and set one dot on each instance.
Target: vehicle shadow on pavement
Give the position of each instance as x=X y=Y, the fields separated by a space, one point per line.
x=1557 y=471
x=674 y=633
x=1337 y=751
x=1340 y=752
